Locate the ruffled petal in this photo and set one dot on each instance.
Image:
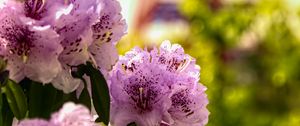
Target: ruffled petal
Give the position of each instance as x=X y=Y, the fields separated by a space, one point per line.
x=69 y=115
x=105 y=55
x=120 y=117
x=42 y=64
x=72 y=115
x=81 y=86
x=110 y=26
x=189 y=106
x=65 y=82
x=34 y=122
x=16 y=68
x=77 y=36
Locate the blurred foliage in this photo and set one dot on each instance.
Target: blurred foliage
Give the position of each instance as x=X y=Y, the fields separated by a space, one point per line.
x=249 y=52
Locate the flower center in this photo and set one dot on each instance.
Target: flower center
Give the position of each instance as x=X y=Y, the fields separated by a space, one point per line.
x=20 y=40
x=34 y=8
x=22 y=44
x=143 y=96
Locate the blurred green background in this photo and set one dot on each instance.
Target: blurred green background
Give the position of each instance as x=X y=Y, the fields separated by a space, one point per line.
x=248 y=50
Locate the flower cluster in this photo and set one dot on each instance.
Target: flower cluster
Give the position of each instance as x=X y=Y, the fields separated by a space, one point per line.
x=157 y=87
x=43 y=39
x=69 y=115
x=52 y=41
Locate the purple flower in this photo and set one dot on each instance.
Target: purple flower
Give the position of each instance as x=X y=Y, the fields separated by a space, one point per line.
x=189 y=105
x=188 y=97
x=140 y=96
x=69 y=115
x=107 y=31
x=110 y=26
x=150 y=88
x=86 y=30
x=79 y=25
x=31 y=51
x=74 y=23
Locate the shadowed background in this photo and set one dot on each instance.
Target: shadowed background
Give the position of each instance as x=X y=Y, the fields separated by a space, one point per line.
x=248 y=50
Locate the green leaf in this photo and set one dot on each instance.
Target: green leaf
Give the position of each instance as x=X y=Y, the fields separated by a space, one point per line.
x=85 y=97
x=62 y=98
x=2 y=64
x=41 y=100
x=7 y=116
x=100 y=93
x=1 y=106
x=16 y=99
x=3 y=78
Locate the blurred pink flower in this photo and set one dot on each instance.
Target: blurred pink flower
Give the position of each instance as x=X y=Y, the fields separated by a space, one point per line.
x=69 y=115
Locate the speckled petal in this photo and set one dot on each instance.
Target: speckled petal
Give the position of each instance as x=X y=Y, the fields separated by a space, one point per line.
x=77 y=37
x=173 y=58
x=189 y=106
x=105 y=55
x=34 y=50
x=43 y=64
x=110 y=26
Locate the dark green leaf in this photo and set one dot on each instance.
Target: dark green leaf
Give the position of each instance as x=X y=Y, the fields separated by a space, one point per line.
x=62 y=98
x=85 y=98
x=7 y=116
x=3 y=64
x=16 y=99
x=79 y=72
x=3 y=78
x=100 y=93
x=1 y=106
x=41 y=100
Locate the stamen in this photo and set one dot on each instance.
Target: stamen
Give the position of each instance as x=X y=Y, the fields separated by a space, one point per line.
x=42 y=6
x=141 y=93
x=150 y=58
x=184 y=65
x=24 y=58
x=34 y=5
x=34 y=8
x=143 y=103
